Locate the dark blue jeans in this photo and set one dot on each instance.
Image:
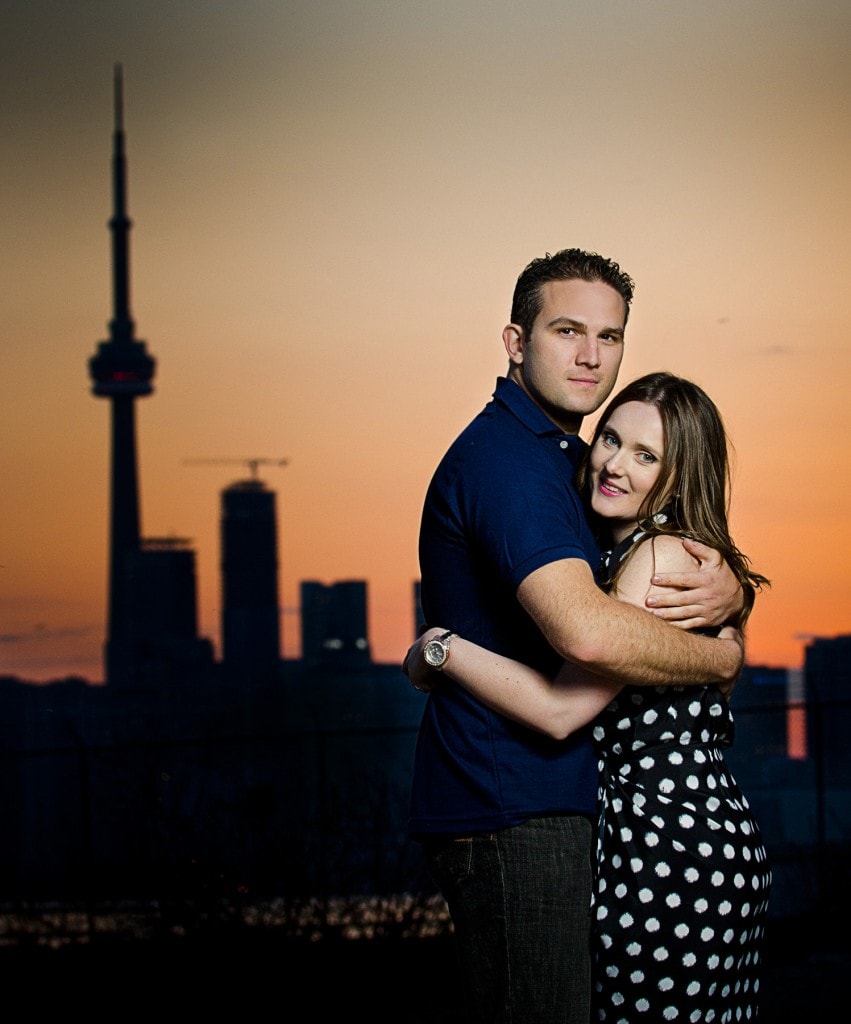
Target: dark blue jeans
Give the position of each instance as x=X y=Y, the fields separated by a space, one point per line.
x=520 y=905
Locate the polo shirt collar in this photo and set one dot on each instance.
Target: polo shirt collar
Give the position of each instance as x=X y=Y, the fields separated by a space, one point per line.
x=515 y=399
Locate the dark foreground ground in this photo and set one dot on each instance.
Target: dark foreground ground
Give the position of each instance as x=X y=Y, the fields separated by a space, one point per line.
x=409 y=981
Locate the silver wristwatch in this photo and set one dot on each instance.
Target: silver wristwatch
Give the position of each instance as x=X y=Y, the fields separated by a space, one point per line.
x=436 y=651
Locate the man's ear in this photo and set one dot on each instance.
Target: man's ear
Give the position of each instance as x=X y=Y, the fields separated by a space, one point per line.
x=513 y=338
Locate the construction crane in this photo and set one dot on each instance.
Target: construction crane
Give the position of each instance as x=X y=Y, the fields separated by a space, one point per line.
x=251 y=463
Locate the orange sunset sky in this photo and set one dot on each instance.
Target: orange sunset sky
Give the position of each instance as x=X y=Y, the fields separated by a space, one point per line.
x=331 y=201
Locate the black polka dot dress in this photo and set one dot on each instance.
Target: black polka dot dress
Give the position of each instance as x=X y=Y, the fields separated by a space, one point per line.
x=682 y=877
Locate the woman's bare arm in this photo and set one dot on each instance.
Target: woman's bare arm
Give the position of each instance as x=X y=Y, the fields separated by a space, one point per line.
x=559 y=706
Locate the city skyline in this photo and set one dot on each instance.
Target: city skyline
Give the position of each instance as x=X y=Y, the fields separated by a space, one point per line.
x=330 y=207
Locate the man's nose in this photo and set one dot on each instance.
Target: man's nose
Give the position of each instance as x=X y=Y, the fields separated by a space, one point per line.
x=589 y=352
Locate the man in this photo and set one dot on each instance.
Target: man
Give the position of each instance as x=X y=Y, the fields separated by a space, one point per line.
x=506 y=815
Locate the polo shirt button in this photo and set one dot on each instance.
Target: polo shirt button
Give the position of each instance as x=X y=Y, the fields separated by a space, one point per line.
x=563 y=445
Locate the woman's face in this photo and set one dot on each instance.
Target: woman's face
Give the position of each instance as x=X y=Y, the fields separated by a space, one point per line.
x=626 y=460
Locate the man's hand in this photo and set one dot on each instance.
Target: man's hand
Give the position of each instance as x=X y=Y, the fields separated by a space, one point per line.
x=710 y=596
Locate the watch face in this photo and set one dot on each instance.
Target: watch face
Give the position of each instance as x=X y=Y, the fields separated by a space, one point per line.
x=434 y=653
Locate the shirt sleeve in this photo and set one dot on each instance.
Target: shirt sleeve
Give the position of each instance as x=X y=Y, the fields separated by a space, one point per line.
x=527 y=514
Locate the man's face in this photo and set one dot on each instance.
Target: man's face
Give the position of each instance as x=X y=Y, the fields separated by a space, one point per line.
x=569 y=363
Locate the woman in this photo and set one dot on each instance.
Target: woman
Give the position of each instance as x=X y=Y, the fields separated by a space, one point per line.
x=682 y=879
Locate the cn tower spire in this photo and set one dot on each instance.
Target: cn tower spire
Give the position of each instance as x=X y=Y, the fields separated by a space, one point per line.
x=122 y=371
x=120 y=224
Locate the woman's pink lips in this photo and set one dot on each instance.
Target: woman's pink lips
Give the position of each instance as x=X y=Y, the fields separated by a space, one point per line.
x=610 y=489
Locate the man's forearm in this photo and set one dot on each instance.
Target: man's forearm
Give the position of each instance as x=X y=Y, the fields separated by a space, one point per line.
x=617 y=640
x=645 y=651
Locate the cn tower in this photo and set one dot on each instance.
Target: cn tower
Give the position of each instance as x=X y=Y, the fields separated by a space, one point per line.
x=122 y=371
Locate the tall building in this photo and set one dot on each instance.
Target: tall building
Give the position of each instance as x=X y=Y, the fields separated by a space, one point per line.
x=122 y=371
x=334 y=624
x=827 y=676
x=251 y=631
x=164 y=614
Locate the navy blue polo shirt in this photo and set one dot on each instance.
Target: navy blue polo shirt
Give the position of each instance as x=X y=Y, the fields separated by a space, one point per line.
x=500 y=505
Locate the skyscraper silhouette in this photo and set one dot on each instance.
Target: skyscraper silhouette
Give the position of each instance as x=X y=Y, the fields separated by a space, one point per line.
x=251 y=636
x=122 y=371
x=334 y=624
